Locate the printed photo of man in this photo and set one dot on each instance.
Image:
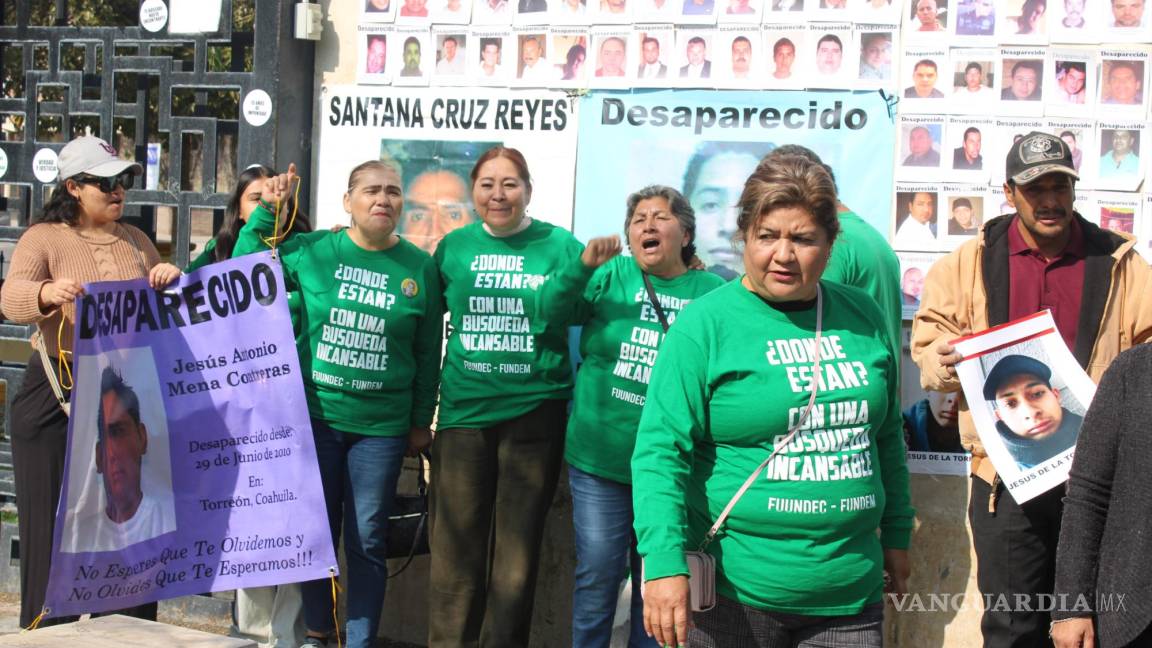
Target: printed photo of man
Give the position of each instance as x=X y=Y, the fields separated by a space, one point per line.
x=451 y=62
x=1032 y=422
x=411 y=58
x=967 y=156
x=1023 y=83
x=829 y=55
x=876 y=56
x=1073 y=14
x=921 y=149
x=612 y=58
x=1127 y=14
x=783 y=57
x=128 y=512
x=651 y=67
x=932 y=423
x=1070 y=78
x=1077 y=155
x=377 y=54
x=1123 y=83
x=973 y=86
x=1120 y=157
x=741 y=57
x=924 y=75
x=698 y=66
x=964 y=218
x=911 y=285
x=917 y=230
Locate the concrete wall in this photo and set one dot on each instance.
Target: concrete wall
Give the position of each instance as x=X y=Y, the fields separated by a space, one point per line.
x=942 y=560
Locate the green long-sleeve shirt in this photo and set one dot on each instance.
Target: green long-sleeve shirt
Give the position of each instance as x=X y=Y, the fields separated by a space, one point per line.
x=503 y=359
x=733 y=374
x=370 y=327
x=619 y=345
x=862 y=258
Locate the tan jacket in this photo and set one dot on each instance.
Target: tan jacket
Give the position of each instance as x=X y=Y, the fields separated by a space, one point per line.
x=967 y=292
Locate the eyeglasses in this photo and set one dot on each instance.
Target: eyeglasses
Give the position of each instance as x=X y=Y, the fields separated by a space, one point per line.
x=109 y=184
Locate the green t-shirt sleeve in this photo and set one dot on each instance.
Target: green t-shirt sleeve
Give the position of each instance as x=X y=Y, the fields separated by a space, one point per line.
x=670 y=426
x=897 y=520
x=841 y=266
x=261 y=224
x=204 y=258
x=564 y=296
x=427 y=347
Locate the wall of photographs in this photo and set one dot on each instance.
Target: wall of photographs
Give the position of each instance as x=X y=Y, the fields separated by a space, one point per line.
x=968 y=77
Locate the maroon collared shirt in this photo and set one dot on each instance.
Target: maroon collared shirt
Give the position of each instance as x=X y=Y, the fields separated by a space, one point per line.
x=1037 y=283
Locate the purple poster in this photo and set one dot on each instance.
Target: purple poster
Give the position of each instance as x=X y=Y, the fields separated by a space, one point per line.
x=190 y=464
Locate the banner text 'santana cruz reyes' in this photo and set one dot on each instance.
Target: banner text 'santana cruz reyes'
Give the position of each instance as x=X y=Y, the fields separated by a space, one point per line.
x=699 y=118
x=143 y=309
x=451 y=113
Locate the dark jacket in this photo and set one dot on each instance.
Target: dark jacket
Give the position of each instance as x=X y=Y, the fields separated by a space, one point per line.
x=1106 y=533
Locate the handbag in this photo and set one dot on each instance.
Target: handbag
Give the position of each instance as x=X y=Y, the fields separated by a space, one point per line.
x=407 y=535
x=701 y=565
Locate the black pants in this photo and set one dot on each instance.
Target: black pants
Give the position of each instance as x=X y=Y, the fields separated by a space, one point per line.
x=490 y=494
x=39 y=431
x=1015 y=554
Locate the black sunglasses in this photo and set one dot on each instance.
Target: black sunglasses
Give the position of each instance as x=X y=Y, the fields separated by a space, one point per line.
x=109 y=184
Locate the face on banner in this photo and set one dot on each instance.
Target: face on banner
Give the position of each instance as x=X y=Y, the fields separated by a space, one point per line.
x=437 y=186
x=710 y=167
x=122 y=494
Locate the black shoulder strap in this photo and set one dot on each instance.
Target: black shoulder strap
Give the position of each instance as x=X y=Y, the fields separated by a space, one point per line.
x=655 y=302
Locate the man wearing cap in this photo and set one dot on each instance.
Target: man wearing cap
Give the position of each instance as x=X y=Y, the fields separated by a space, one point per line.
x=1033 y=424
x=1044 y=255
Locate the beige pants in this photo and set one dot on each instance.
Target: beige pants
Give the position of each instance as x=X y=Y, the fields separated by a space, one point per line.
x=272 y=616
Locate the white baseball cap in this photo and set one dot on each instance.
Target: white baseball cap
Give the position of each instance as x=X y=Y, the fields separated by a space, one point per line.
x=93 y=156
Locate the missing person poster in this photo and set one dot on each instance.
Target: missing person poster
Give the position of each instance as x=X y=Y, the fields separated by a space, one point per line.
x=190 y=465
x=707 y=143
x=434 y=137
x=1028 y=397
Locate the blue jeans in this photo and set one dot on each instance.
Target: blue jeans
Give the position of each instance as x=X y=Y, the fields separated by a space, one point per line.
x=359 y=476
x=605 y=547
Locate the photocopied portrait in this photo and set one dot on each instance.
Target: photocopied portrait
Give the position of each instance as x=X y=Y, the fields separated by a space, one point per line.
x=1120 y=153
x=915 y=221
x=972 y=84
x=1028 y=396
x=1035 y=417
x=1122 y=83
x=437 y=186
x=1023 y=80
x=120 y=473
x=713 y=181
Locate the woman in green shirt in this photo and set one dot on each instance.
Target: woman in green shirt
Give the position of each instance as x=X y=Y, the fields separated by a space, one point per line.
x=623 y=306
x=253 y=187
x=799 y=557
x=369 y=339
x=500 y=429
